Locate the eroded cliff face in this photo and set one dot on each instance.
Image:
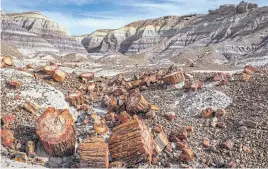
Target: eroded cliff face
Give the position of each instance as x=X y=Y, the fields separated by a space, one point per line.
x=24 y=41
x=228 y=33
x=49 y=30
x=92 y=41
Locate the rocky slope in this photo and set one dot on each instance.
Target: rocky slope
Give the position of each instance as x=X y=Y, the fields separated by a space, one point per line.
x=26 y=42
x=228 y=33
x=50 y=31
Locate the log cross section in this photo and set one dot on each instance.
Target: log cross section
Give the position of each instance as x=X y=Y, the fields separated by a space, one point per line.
x=56 y=131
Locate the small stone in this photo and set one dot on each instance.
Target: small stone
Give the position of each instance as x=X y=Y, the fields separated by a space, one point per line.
x=228 y=144
x=21 y=157
x=151 y=114
x=221 y=125
x=7 y=138
x=214 y=122
x=247 y=149
x=170 y=116
x=181 y=144
x=187 y=155
x=207 y=113
x=220 y=113
x=158 y=128
x=155 y=160
x=206 y=142
x=189 y=129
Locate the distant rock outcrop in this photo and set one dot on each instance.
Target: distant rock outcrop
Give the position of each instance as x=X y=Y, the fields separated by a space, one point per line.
x=228 y=33
x=92 y=41
x=49 y=30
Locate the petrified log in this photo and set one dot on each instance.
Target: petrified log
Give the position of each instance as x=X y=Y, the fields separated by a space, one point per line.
x=174 y=78
x=50 y=69
x=87 y=76
x=7 y=60
x=94 y=153
x=76 y=98
x=56 y=131
x=59 y=75
x=136 y=103
x=131 y=142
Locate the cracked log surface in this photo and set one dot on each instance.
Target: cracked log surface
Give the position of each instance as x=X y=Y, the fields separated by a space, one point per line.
x=131 y=143
x=56 y=131
x=94 y=153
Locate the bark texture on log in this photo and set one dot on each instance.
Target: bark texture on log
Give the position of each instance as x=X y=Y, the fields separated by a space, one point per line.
x=131 y=143
x=94 y=153
x=174 y=78
x=56 y=131
x=136 y=103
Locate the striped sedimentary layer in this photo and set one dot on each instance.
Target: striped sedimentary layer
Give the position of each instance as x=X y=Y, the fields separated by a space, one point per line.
x=49 y=30
x=25 y=41
x=228 y=33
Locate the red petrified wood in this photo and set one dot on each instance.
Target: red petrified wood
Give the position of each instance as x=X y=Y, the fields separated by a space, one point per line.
x=131 y=143
x=136 y=102
x=94 y=153
x=174 y=78
x=56 y=131
x=76 y=98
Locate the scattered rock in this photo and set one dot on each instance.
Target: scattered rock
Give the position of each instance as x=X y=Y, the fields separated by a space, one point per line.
x=206 y=142
x=187 y=155
x=170 y=116
x=228 y=144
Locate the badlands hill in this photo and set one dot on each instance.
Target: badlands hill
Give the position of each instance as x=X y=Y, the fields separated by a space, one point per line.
x=231 y=32
x=32 y=32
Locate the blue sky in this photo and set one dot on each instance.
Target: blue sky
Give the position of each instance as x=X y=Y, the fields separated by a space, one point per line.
x=85 y=16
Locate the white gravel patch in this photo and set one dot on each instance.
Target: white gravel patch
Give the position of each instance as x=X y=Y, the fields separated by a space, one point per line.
x=39 y=93
x=193 y=103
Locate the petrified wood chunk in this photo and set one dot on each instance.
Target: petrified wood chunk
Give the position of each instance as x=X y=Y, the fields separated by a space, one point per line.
x=131 y=142
x=57 y=132
x=94 y=153
x=124 y=117
x=160 y=142
x=76 y=98
x=136 y=103
x=59 y=75
x=15 y=84
x=31 y=107
x=89 y=76
x=187 y=154
x=50 y=69
x=174 y=78
x=7 y=138
x=7 y=60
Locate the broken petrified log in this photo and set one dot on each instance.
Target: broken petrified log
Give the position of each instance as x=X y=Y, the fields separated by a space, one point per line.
x=76 y=98
x=8 y=61
x=56 y=131
x=160 y=142
x=7 y=138
x=59 y=75
x=89 y=76
x=174 y=78
x=131 y=142
x=50 y=69
x=136 y=103
x=94 y=153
